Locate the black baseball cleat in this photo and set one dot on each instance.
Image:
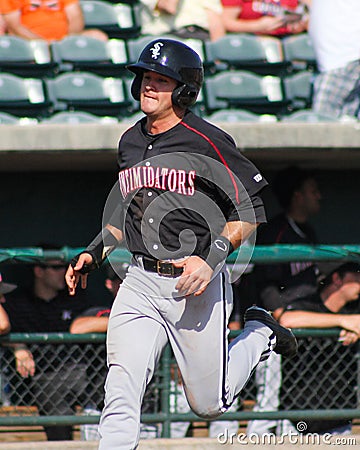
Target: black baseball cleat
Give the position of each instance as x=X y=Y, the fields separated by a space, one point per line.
x=286 y=344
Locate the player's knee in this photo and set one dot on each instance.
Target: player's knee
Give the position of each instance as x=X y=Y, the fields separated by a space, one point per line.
x=206 y=411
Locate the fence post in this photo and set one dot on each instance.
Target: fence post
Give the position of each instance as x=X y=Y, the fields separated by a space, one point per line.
x=165 y=391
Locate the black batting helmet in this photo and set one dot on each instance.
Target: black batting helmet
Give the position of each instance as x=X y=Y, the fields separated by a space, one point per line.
x=173 y=59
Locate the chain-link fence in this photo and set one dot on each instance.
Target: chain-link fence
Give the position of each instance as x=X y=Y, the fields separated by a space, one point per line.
x=68 y=383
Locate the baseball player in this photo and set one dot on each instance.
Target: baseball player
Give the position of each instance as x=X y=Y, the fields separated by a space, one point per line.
x=186 y=199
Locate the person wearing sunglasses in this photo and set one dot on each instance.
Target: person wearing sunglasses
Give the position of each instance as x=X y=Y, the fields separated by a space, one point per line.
x=50 y=376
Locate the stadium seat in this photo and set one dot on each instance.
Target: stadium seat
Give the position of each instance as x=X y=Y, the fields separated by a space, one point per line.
x=308 y=116
x=244 y=90
x=131 y=119
x=88 y=92
x=239 y=115
x=6 y=119
x=87 y=54
x=74 y=117
x=22 y=96
x=135 y=46
x=26 y=58
x=260 y=54
x=298 y=90
x=299 y=51
x=118 y=21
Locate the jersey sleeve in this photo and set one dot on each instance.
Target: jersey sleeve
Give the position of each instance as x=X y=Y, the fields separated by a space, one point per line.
x=239 y=180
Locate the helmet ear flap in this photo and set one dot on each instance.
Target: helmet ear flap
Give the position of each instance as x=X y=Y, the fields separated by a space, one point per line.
x=136 y=86
x=184 y=96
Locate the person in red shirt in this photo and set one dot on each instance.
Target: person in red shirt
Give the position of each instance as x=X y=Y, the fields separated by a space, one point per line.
x=270 y=17
x=45 y=19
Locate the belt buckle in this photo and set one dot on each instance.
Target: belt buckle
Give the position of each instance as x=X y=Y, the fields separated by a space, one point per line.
x=169 y=269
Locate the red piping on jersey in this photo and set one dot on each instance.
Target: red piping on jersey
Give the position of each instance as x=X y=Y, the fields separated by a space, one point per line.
x=220 y=156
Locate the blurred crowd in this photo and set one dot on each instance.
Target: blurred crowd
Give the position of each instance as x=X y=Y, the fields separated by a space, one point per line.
x=332 y=25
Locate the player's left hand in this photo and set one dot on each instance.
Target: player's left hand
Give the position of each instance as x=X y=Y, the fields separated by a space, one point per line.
x=195 y=277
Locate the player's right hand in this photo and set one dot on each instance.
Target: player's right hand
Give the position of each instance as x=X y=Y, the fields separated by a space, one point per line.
x=73 y=274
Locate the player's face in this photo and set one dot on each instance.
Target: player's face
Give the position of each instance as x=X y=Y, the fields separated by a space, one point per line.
x=155 y=94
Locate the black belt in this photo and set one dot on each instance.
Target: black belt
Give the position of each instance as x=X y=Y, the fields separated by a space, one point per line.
x=165 y=269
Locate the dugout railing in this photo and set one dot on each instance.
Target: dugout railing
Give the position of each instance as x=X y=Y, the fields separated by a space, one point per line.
x=85 y=356
x=326 y=368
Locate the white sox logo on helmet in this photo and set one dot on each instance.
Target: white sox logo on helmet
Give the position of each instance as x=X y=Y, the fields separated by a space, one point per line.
x=156 y=50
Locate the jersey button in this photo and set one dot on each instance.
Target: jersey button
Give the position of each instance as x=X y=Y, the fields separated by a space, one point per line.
x=150 y=194
x=150 y=147
x=155 y=247
x=151 y=220
x=147 y=163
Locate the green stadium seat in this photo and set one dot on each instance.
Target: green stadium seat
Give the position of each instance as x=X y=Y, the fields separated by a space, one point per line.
x=119 y=21
x=26 y=58
x=308 y=116
x=87 y=54
x=240 y=51
x=244 y=90
x=299 y=51
x=239 y=115
x=132 y=118
x=299 y=90
x=22 y=96
x=75 y=117
x=6 y=119
x=88 y=92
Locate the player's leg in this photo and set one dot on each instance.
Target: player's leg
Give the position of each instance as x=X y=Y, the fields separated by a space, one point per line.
x=213 y=373
x=135 y=340
x=198 y=334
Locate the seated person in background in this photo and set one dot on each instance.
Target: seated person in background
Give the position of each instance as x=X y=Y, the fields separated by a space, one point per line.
x=328 y=370
x=274 y=17
x=183 y=18
x=279 y=283
x=5 y=288
x=56 y=380
x=335 y=34
x=41 y=19
x=298 y=194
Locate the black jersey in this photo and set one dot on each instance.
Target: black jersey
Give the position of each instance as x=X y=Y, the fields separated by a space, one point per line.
x=30 y=314
x=180 y=187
